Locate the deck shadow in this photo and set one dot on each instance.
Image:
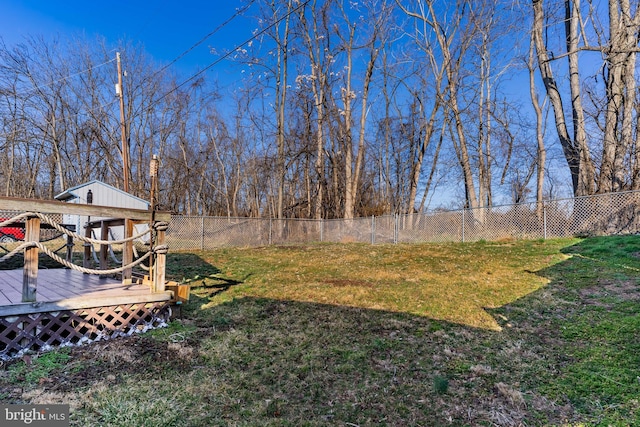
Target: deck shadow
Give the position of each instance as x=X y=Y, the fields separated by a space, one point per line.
x=192 y=269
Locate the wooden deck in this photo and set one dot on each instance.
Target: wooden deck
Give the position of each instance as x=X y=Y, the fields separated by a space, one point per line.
x=65 y=289
x=67 y=307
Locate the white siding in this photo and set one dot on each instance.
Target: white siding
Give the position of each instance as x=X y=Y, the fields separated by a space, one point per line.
x=103 y=195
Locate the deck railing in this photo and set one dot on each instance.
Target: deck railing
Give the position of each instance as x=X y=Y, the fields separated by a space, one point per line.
x=33 y=215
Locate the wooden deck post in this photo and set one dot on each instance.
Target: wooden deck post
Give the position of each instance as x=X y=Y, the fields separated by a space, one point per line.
x=30 y=271
x=160 y=255
x=127 y=251
x=86 y=254
x=69 y=254
x=104 y=249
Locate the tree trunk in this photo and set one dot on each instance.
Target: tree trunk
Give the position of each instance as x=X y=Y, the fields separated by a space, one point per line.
x=580 y=166
x=542 y=153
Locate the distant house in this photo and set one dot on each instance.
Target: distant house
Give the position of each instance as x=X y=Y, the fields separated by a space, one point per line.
x=100 y=194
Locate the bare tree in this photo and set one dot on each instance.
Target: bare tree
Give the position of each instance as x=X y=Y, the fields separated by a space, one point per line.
x=541 y=156
x=354 y=152
x=618 y=167
x=316 y=41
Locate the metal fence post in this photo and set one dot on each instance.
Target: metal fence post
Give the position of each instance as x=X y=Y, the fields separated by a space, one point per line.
x=373 y=229
x=396 y=228
x=322 y=229
x=463 y=209
x=202 y=233
x=544 y=219
x=270 y=230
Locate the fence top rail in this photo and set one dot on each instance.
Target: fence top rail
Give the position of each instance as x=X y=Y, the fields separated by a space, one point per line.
x=54 y=206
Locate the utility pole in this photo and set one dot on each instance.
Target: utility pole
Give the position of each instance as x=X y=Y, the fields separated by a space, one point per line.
x=123 y=130
x=127 y=249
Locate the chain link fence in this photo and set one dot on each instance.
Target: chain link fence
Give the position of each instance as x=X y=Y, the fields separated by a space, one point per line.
x=606 y=214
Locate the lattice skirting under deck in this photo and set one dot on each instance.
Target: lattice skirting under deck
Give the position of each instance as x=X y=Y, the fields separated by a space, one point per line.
x=42 y=331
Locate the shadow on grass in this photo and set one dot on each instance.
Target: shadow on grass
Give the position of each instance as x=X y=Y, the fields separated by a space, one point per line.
x=584 y=324
x=192 y=269
x=559 y=360
x=567 y=352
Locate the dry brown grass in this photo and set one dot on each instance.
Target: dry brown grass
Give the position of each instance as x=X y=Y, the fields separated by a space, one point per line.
x=447 y=282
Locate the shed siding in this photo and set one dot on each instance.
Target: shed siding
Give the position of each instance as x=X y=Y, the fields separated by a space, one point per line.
x=103 y=195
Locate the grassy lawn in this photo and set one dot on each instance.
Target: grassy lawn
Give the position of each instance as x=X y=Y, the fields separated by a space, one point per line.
x=506 y=333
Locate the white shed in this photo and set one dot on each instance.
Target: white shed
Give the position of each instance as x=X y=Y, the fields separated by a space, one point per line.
x=103 y=195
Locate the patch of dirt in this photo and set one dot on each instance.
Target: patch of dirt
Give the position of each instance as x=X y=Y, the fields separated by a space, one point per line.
x=106 y=361
x=626 y=290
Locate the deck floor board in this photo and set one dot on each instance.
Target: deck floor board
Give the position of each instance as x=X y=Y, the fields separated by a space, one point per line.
x=59 y=284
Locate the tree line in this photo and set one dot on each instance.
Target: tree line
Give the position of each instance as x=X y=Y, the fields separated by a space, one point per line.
x=341 y=109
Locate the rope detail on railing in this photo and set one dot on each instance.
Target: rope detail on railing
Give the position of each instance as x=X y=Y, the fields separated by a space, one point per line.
x=161 y=225
x=119 y=261
x=63 y=230
x=90 y=270
x=14 y=252
x=135 y=254
x=161 y=249
x=88 y=241
x=68 y=264
x=15 y=219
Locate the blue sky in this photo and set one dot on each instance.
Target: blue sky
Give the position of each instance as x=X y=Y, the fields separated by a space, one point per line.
x=166 y=28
